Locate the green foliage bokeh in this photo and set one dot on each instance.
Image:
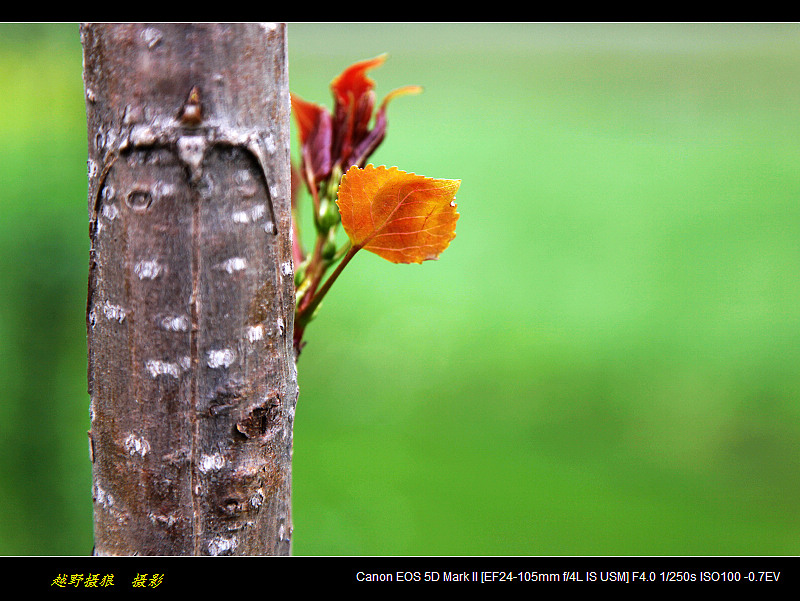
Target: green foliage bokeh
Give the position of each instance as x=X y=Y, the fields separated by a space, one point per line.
x=605 y=360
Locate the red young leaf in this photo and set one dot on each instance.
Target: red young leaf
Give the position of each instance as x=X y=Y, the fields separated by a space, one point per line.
x=352 y=83
x=315 y=129
x=402 y=217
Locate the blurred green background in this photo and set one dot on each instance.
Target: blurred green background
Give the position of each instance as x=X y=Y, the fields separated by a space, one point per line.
x=605 y=361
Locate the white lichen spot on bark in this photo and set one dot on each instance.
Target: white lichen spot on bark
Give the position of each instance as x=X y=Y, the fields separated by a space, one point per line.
x=257 y=499
x=234 y=264
x=110 y=212
x=147 y=269
x=152 y=36
x=269 y=143
x=102 y=497
x=158 y=368
x=191 y=150
x=166 y=520
x=114 y=312
x=175 y=323
x=255 y=333
x=221 y=545
x=210 y=463
x=163 y=190
x=249 y=215
x=91 y=168
x=136 y=445
x=220 y=358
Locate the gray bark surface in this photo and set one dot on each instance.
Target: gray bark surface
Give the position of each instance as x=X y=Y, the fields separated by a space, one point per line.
x=191 y=296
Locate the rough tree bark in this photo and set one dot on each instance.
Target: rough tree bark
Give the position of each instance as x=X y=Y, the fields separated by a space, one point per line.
x=191 y=296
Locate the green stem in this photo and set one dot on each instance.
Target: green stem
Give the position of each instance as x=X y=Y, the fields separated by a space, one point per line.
x=309 y=309
x=341 y=252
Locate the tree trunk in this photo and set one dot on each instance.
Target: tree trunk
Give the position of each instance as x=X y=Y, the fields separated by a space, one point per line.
x=191 y=295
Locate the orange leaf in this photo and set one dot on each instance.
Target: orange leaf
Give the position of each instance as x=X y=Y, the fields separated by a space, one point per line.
x=402 y=217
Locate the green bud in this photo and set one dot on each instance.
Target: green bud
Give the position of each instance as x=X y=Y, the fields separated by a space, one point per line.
x=328 y=215
x=334 y=181
x=329 y=249
x=299 y=275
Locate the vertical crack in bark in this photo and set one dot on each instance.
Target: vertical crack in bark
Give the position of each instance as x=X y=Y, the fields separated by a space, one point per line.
x=196 y=238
